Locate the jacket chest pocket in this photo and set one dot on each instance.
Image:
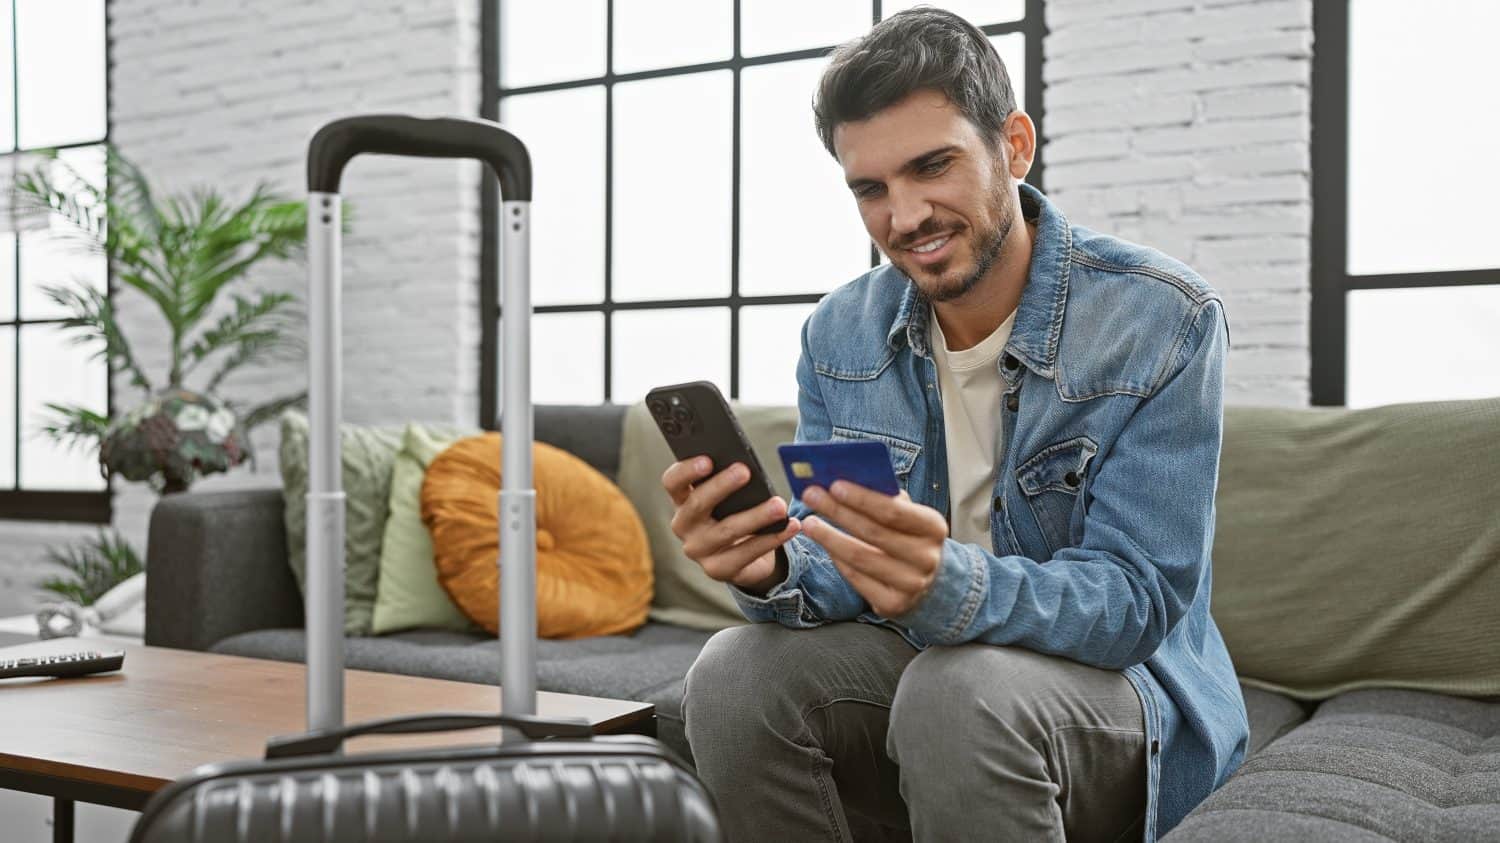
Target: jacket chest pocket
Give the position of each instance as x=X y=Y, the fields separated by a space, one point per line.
x=1054 y=483
x=903 y=453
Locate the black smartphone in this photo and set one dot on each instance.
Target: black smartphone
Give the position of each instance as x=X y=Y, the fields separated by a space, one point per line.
x=696 y=420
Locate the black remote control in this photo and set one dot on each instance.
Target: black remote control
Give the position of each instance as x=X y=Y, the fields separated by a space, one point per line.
x=65 y=664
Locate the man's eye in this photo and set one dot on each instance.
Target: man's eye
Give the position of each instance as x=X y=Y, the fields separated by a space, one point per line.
x=932 y=168
x=869 y=191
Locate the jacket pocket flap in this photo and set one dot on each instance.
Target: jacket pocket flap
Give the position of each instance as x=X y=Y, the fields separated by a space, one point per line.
x=903 y=453
x=1060 y=467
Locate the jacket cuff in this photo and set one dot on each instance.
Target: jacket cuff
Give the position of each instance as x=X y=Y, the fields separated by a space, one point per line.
x=783 y=603
x=950 y=604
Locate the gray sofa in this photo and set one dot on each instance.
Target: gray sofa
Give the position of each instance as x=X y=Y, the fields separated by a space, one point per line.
x=1365 y=765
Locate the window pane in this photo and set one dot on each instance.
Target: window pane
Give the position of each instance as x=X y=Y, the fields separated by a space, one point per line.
x=7 y=81
x=567 y=358
x=1012 y=50
x=550 y=41
x=699 y=31
x=7 y=407
x=7 y=280
x=791 y=188
x=770 y=342
x=564 y=132
x=1444 y=58
x=62 y=254
x=60 y=68
x=1453 y=326
x=656 y=347
x=55 y=257
x=54 y=370
x=672 y=192
x=780 y=26
x=977 y=12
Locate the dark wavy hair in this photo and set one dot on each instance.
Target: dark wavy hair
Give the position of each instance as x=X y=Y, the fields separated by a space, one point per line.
x=911 y=50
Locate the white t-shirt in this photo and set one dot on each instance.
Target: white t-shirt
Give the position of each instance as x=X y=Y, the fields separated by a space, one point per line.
x=971 y=389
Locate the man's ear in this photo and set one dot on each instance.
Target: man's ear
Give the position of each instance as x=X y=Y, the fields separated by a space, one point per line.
x=1020 y=142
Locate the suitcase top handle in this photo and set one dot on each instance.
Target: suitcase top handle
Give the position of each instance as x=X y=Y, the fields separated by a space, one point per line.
x=324 y=741
x=421 y=137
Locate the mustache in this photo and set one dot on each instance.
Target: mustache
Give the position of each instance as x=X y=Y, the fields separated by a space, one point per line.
x=928 y=228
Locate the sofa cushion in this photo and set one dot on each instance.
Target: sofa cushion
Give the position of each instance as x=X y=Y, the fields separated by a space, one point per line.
x=647 y=665
x=1271 y=716
x=408 y=595
x=592 y=562
x=1361 y=548
x=1369 y=765
x=685 y=596
x=367 y=454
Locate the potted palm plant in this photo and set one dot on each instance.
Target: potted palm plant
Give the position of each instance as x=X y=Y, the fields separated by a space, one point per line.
x=186 y=254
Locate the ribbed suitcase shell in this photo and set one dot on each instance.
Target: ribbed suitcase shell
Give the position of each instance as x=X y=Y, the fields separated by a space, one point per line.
x=617 y=788
x=623 y=788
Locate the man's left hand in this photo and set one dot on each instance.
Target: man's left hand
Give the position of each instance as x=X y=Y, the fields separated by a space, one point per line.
x=891 y=548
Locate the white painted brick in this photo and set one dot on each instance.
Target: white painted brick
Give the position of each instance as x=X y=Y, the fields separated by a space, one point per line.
x=1271 y=101
x=1130 y=171
x=1205 y=193
x=1063 y=14
x=1236 y=134
x=1126 y=112
x=1267 y=160
x=1251 y=250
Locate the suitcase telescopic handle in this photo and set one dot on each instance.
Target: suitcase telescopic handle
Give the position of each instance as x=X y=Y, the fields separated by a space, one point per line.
x=324 y=741
x=422 y=137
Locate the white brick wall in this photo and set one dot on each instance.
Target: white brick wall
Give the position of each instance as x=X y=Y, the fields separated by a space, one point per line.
x=227 y=93
x=1183 y=124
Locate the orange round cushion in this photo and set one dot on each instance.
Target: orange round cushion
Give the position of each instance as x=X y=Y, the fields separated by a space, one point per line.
x=593 y=563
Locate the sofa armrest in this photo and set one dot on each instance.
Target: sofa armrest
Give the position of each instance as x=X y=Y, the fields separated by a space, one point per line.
x=216 y=566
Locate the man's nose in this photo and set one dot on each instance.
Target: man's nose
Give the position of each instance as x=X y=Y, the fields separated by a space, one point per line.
x=908 y=211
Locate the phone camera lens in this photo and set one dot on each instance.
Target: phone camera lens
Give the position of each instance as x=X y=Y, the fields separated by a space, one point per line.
x=659 y=408
x=682 y=415
x=671 y=428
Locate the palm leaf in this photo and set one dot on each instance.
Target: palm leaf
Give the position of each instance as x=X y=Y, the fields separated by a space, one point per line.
x=92 y=315
x=75 y=426
x=244 y=321
x=92 y=567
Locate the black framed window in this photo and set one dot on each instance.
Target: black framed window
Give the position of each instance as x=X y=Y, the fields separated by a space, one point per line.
x=52 y=96
x=1406 y=265
x=681 y=191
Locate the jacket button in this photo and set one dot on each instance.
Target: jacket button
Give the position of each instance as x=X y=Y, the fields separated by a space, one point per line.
x=1011 y=363
x=998 y=504
x=1013 y=402
x=1072 y=479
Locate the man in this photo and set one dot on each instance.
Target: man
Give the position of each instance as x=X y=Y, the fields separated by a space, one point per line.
x=1036 y=659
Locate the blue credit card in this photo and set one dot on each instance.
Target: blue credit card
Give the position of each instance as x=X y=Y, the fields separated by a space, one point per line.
x=865 y=462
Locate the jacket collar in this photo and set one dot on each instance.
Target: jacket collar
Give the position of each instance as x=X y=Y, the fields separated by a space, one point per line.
x=1039 y=316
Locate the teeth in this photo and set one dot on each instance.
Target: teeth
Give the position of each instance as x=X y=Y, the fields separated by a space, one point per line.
x=930 y=247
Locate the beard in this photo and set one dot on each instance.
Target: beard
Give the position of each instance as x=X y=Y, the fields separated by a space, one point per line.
x=946 y=281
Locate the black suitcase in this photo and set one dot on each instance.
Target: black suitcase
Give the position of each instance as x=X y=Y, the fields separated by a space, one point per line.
x=547 y=780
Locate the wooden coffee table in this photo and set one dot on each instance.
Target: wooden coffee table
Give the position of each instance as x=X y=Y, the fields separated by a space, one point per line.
x=115 y=739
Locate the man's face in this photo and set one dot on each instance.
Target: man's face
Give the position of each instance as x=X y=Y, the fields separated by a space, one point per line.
x=933 y=195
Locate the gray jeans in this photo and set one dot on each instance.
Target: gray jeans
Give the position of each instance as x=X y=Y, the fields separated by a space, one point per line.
x=847 y=732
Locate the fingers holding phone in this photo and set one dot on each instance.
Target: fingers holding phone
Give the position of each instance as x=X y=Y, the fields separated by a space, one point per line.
x=734 y=549
x=730 y=521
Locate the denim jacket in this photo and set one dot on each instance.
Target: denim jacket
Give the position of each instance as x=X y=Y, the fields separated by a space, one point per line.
x=1103 y=514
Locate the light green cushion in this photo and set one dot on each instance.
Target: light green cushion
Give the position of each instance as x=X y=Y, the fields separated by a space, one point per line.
x=367 y=453
x=1361 y=548
x=409 y=596
x=685 y=596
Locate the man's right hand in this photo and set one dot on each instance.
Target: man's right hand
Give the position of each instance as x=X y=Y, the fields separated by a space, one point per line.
x=727 y=550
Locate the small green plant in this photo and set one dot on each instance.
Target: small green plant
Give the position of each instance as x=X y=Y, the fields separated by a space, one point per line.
x=93 y=566
x=184 y=253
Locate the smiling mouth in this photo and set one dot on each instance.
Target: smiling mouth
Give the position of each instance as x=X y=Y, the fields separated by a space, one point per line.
x=933 y=251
